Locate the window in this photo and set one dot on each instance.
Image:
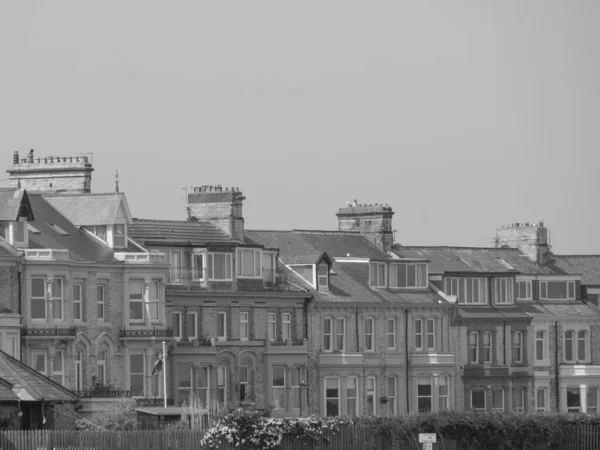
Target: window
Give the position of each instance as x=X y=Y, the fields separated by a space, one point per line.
x=298 y=375
x=192 y=325
x=557 y=290
x=98 y=230
x=268 y=267
x=39 y=361
x=271 y=326
x=524 y=290
x=244 y=377
x=418 y=334
x=119 y=236
x=136 y=300
x=248 y=263
x=176 y=320
x=573 y=400
x=38 y=298
x=176 y=263
x=369 y=338
x=327 y=335
x=569 y=346
x=540 y=344
x=323 y=276
x=101 y=300
x=468 y=290
x=518 y=399
x=377 y=275
x=391 y=334
x=331 y=328
x=153 y=300
x=575 y=346
x=540 y=399
x=137 y=373
x=78 y=369
x=424 y=394
x=286 y=326
x=352 y=396
x=279 y=387
x=503 y=292
x=19 y=234
x=219 y=267
x=156 y=380
x=198 y=266
x=203 y=393
x=487 y=347
x=408 y=275
x=391 y=395
x=582 y=345
x=77 y=301
x=592 y=400
x=371 y=396
x=473 y=347
x=478 y=399
x=243 y=326
x=221 y=326
x=57 y=298
x=443 y=393
x=58 y=367
x=184 y=384
x=222 y=383
x=430 y=334
x=340 y=330
x=332 y=396
x=498 y=400
x=518 y=346
x=102 y=366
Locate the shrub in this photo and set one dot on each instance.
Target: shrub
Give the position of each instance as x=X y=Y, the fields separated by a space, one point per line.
x=120 y=416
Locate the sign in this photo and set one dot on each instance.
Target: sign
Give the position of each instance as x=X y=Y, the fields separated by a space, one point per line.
x=427 y=438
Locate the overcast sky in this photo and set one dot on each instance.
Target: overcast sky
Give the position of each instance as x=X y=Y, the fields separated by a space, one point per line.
x=462 y=115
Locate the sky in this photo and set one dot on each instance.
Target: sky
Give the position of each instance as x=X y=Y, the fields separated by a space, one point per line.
x=463 y=115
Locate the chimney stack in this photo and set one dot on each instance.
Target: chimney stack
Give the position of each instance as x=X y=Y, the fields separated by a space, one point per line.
x=372 y=221
x=221 y=207
x=529 y=238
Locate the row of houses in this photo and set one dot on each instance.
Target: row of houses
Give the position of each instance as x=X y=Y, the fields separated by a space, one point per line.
x=299 y=322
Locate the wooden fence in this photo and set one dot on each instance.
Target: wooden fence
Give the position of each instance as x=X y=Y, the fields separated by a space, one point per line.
x=351 y=438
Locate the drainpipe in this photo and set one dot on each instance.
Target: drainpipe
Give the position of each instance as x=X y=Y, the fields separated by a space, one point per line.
x=504 y=337
x=556 y=366
x=20 y=303
x=357 y=333
x=407 y=361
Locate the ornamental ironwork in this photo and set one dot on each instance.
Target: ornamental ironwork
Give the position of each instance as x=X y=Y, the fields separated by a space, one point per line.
x=48 y=331
x=146 y=332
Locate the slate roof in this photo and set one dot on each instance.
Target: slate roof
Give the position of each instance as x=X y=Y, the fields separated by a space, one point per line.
x=474 y=259
x=39 y=387
x=91 y=209
x=489 y=312
x=586 y=265
x=81 y=245
x=175 y=232
x=559 y=309
x=11 y=203
x=341 y=244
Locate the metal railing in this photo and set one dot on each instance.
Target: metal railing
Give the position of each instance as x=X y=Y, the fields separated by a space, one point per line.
x=49 y=331
x=146 y=332
x=103 y=392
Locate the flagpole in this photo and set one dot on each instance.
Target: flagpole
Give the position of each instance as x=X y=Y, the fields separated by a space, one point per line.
x=165 y=371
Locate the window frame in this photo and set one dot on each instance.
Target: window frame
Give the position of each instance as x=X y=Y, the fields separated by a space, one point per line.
x=184 y=393
x=494 y=392
x=119 y=236
x=40 y=352
x=78 y=302
x=201 y=390
x=342 y=334
x=245 y=383
x=222 y=314
x=60 y=354
x=279 y=388
x=542 y=340
x=574 y=346
x=349 y=412
x=521 y=396
x=323 y=277
x=286 y=326
x=391 y=335
x=462 y=287
x=327 y=336
x=473 y=347
x=152 y=303
x=392 y=381
x=375 y=269
x=245 y=336
x=58 y=299
x=484 y=399
x=418 y=266
x=101 y=363
x=518 y=347
x=78 y=369
x=543 y=286
x=271 y=326
x=141 y=300
x=141 y=353
x=418 y=333
x=445 y=396
x=256 y=263
x=198 y=272
x=223 y=388
x=228 y=268
x=430 y=333
x=101 y=301
x=179 y=322
x=195 y=325
x=508 y=290
x=488 y=348
x=528 y=290
x=326 y=398
x=371 y=334
x=371 y=393
x=421 y=396
x=175 y=272
x=544 y=392
x=43 y=299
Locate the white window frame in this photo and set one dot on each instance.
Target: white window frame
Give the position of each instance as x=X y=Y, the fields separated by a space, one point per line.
x=544 y=341
x=256 y=268
x=141 y=301
x=175 y=272
x=328 y=337
x=78 y=369
x=349 y=412
x=528 y=291
x=586 y=348
x=78 y=301
x=244 y=321
x=392 y=381
x=342 y=333
x=13 y=233
x=152 y=303
x=279 y=388
x=544 y=407
x=272 y=326
x=323 y=279
x=488 y=348
x=286 y=326
x=223 y=382
x=518 y=346
x=184 y=393
x=143 y=373
x=245 y=383
x=371 y=393
x=122 y=236
x=574 y=409
x=268 y=269
x=473 y=359
x=58 y=299
x=375 y=268
x=101 y=301
x=177 y=318
x=569 y=344
x=222 y=316
x=44 y=354
x=452 y=286
x=371 y=334
x=518 y=391
x=445 y=396
x=494 y=391
x=325 y=397
x=430 y=396
x=544 y=289
x=195 y=325
x=484 y=399
x=204 y=390
x=38 y=299
x=576 y=339
x=508 y=289
x=391 y=333
x=295 y=392
x=198 y=273
x=393 y=275
x=419 y=334
x=430 y=334
x=228 y=266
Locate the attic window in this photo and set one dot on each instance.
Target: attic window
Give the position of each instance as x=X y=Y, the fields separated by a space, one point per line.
x=58 y=229
x=33 y=229
x=323 y=276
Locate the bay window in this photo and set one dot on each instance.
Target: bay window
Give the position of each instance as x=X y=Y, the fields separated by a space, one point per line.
x=430 y=334
x=198 y=266
x=119 y=236
x=408 y=275
x=418 y=334
x=332 y=396
x=153 y=300
x=503 y=291
x=219 y=267
x=248 y=263
x=57 y=298
x=468 y=290
x=576 y=345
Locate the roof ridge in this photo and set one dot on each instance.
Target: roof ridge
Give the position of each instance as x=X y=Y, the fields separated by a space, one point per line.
x=452 y=247
x=576 y=256
x=328 y=231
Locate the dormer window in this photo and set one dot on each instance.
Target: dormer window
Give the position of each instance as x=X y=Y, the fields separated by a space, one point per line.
x=557 y=290
x=15 y=232
x=323 y=276
x=219 y=266
x=119 y=236
x=377 y=274
x=99 y=231
x=248 y=263
x=408 y=275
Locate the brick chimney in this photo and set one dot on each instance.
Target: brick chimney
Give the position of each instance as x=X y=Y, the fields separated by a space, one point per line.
x=373 y=221
x=530 y=238
x=220 y=206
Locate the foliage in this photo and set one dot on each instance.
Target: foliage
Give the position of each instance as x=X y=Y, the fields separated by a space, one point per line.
x=120 y=416
x=9 y=420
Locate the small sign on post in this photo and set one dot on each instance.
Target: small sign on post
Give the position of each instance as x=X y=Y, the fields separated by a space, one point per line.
x=427 y=439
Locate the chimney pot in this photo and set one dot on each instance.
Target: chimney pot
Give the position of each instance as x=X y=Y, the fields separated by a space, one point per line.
x=16 y=157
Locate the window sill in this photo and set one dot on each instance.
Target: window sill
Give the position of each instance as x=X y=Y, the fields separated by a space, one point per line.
x=249 y=277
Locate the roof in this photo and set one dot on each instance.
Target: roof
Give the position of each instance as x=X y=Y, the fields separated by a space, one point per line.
x=343 y=244
x=175 y=232
x=82 y=246
x=37 y=386
x=474 y=259
x=14 y=204
x=586 y=265
x=92 y=209
x=562 y=309
x=490 y=312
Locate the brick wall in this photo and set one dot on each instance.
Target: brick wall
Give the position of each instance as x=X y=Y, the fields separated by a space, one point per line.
x=9 y=288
